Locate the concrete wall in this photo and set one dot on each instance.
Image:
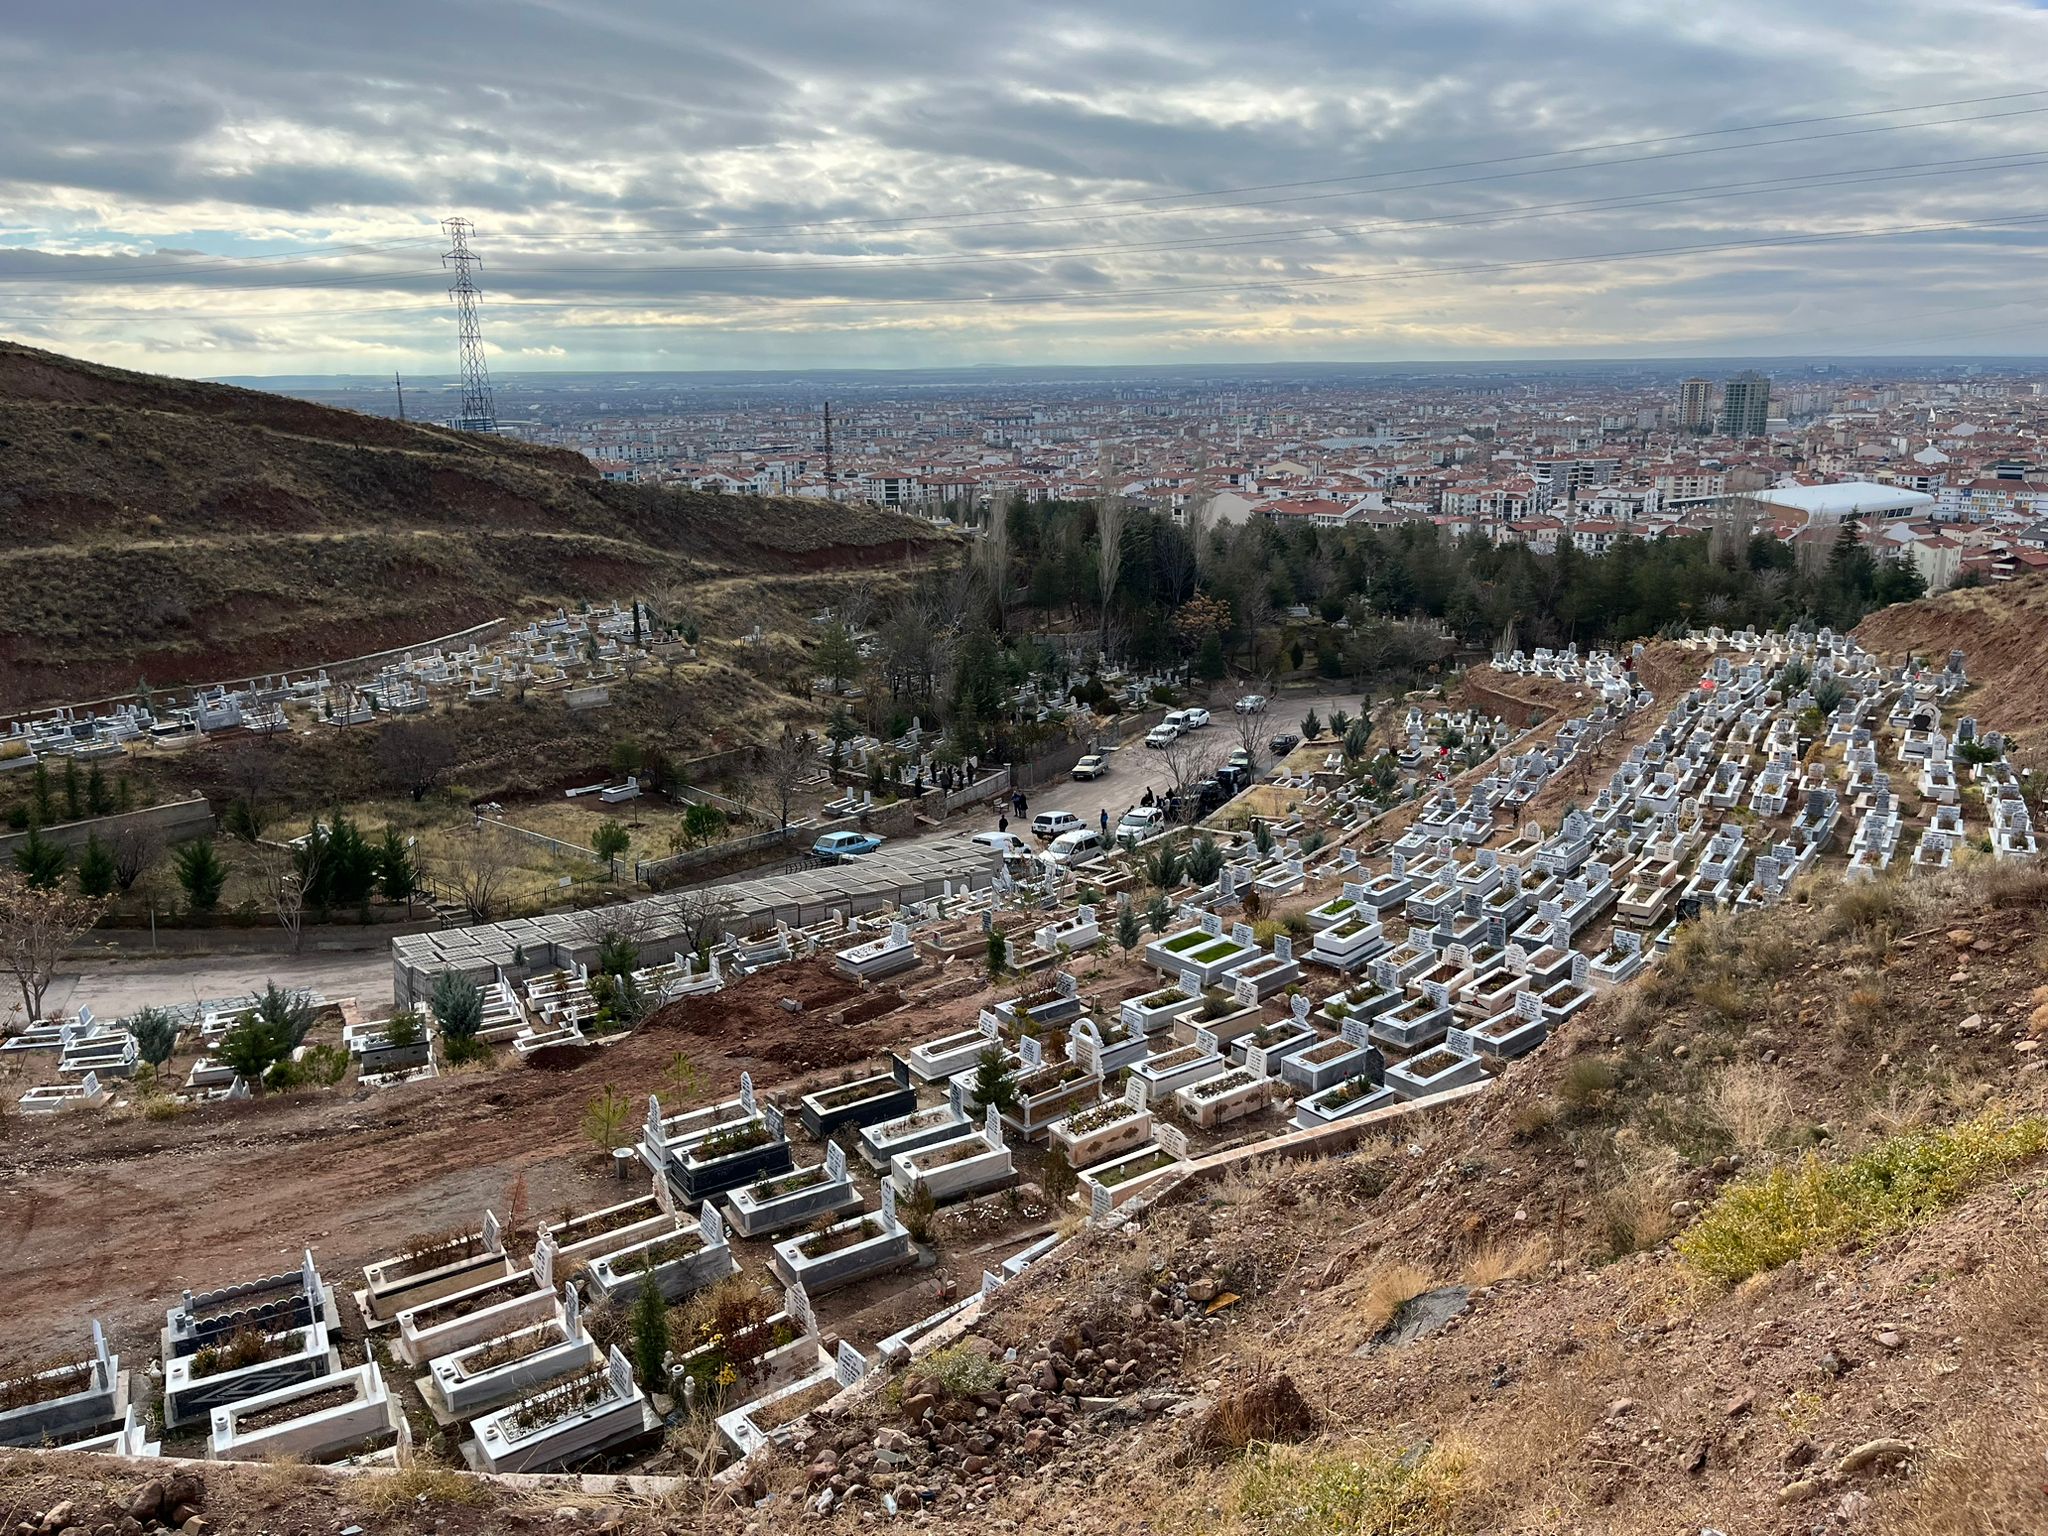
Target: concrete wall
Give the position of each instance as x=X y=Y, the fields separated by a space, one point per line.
x=178 y=822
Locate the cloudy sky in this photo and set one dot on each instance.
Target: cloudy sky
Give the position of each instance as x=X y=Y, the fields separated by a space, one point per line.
x=217 y=187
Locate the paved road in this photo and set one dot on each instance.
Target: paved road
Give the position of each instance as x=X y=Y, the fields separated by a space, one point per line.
x=1135 y=767
x=117 y=986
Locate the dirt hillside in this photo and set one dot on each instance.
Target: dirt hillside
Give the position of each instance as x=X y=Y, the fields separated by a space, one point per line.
x=180 y=531
x=2002 y=631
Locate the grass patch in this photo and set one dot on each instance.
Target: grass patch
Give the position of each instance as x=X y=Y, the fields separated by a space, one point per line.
x=1387 y=1290
x=1749 y=1102
x=1761 y=1223
x=960 y=1370
x=1586 y=1084
x=1364 y=1489
x=1494 y=1263
x=421 y=1484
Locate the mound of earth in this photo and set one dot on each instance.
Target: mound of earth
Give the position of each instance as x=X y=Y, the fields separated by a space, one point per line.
x=2002 y=632
x=187 y=532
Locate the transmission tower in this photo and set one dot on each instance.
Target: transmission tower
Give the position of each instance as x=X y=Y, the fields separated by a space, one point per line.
x=477 y=414
x=828 y=442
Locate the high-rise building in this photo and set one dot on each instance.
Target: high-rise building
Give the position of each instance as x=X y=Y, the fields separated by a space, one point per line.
x=1696 y=405
x=1746 y=405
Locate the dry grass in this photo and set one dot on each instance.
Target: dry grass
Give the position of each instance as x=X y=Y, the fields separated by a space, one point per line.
x=1389 y=1288
x=2005 y=1310
x=1748 y=1100
x=1262 y=1406
x=1527 y=1460
x=1983 y=1479
x=1632 y=1215
x=1494 y=1263
x=2010 y=884
x=421 y=1485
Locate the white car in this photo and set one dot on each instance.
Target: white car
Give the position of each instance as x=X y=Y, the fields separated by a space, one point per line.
x=1161 y=735
x=1051 y=824
x=1194 y=719
x=1081 y=843
x=1093 y=766
x=1139 y=823
x=1251 y=704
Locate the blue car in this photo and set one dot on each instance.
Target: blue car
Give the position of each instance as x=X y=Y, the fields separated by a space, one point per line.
x=834 y=846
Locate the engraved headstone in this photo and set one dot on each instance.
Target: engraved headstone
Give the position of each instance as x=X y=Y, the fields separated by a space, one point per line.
x=850 y=1366
x=796 y=1301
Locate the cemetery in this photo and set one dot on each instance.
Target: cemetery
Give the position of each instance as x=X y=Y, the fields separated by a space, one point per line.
x=1316 y=984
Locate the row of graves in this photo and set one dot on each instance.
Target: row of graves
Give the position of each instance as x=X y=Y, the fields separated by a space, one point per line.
x=86 y=1061
x=250 y=1371
x=565 y=651
x=503 y=1344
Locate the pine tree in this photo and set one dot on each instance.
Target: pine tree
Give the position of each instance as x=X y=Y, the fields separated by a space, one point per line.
x=95 y=868
x=1127 y=931
x=40 y=861
x=201 y=875
x=994 y=1083
x=97 y=798
x=459 y=1010
x=650 y=1333
x=397 y=874
x=156 y=1034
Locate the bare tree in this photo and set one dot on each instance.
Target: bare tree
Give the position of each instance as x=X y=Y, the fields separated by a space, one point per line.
x=37 y=927
x=788 y=763
x=1189 y=760
x=1255 y=609
x=285 y=878
x=857 y=607
x=136 y=847
x=699 y=916
x=476 y=871
x=1249 y=727
x=413 y=755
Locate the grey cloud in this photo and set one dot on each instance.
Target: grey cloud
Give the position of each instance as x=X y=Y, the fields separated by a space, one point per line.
x=152 y=124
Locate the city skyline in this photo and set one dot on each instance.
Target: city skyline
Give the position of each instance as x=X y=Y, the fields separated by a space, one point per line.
x=219 y=191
